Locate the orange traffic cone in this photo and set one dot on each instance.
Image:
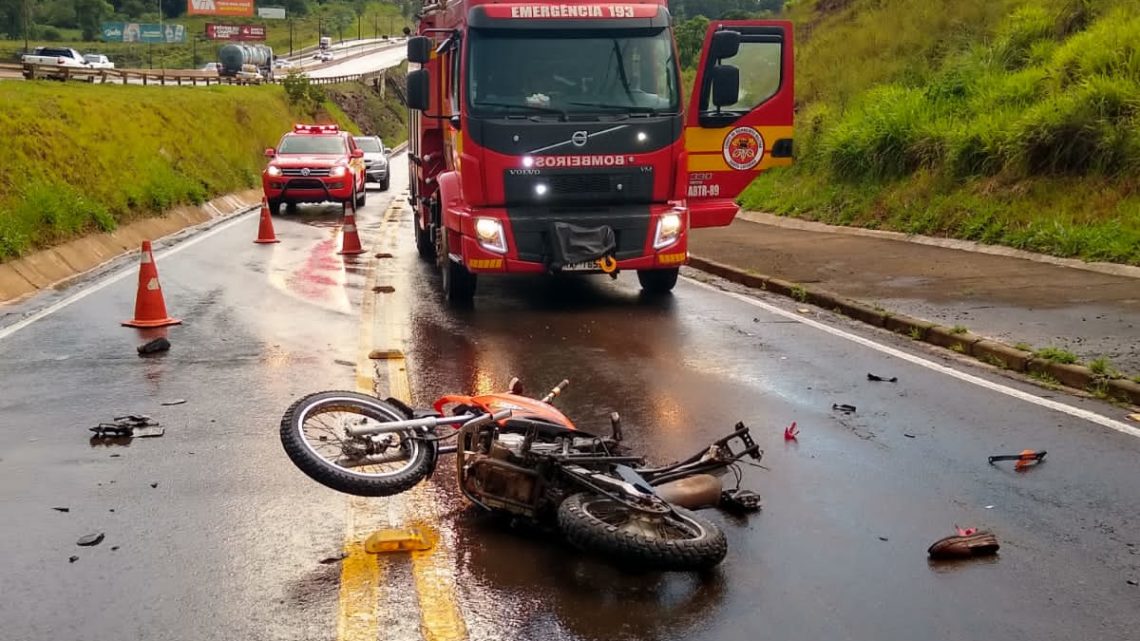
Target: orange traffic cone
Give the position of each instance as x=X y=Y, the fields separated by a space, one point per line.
x=150 y=309
x=350 y=244
x=265 y=229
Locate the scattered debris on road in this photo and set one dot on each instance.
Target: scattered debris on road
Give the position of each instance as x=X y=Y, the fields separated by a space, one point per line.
x=90 y=540
x=72 y=559
x=177 y=401
x=344 y=362
x=130 y=426
x=740 y=501
x=881 y=379
x=1134 y=417
x=333 y=559
x=967 y=543
x=909 y=435
x=883 y=538
x=1132 y=582
x=803 y=310
x=62 y=509
x=153 y=485
x=396 y=540
x=843 y=407
x=155 y=346
x=1024 y=459
x=791 y=432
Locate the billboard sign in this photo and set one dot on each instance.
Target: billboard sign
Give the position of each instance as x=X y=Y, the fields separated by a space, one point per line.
x=271 y=13
x=219 y=7
x=244 y=32
x=142 y=32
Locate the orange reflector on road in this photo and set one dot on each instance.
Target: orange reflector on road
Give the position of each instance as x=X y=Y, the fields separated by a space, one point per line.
x=396 y=540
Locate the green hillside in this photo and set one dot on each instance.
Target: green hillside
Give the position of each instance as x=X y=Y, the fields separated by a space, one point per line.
x=1012 y=122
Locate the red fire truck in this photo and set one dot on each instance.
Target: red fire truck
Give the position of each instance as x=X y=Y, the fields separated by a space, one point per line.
x=553 y=136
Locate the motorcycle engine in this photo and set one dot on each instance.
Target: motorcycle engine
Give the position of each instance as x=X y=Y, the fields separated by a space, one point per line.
x=498 y=481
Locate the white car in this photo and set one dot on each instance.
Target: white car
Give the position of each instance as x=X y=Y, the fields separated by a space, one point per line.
x=98 y=61
x=323 y=56
x=211 y=66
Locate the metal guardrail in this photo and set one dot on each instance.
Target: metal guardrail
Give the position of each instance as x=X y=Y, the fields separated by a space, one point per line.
x=163 y=78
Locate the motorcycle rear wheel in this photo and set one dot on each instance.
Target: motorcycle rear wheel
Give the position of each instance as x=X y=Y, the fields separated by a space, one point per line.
x=679 y=540
x=313 y=434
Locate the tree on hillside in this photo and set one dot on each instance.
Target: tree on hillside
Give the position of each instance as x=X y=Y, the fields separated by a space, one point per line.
x=690 y=38
x=91 y=14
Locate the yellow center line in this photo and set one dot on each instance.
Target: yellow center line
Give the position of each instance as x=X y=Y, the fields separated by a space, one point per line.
x=384 y=332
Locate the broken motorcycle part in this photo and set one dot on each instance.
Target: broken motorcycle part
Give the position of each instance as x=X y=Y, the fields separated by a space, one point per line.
x=1024 y=459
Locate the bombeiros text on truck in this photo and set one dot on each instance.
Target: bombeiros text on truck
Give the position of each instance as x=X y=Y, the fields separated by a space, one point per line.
x=554 y=136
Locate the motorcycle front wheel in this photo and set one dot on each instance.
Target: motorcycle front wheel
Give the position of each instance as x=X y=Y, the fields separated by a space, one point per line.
x=677 y=540
x=315 y=436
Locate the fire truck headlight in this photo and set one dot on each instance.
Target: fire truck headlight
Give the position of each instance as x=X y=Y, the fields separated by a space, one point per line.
x=489 y=233
x=338 y=171
x=540 y=189
x=273 y=170
x=668 y=231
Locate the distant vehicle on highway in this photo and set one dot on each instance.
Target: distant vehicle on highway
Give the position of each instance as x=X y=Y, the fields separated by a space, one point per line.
x=235 y=56
x=211 y=66
x=98 y=61
x=325 y=42
x=249 y=75
x=375 y=160
x=323 y=56
x=59 y=57
x=282 y=63
x=314 y=164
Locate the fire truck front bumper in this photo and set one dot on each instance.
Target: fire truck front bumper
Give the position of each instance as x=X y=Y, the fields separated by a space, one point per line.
x=648 y=237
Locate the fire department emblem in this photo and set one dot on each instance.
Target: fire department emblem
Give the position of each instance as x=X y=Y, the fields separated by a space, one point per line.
x=743 y=148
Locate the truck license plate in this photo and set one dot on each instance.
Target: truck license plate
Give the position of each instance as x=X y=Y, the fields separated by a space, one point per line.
x=588 y=266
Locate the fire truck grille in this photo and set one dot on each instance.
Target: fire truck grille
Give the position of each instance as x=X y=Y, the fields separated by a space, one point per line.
x=558 y=187
x=532 y=227
x=298 y=171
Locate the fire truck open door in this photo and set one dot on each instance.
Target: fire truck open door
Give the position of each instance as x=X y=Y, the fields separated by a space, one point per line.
x=739 y=121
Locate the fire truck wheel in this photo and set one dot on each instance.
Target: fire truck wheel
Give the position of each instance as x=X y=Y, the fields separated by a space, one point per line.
x=458 y=283
x=658 y=281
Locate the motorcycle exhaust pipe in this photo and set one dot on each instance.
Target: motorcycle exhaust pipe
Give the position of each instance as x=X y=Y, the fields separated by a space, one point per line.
x=413 y=424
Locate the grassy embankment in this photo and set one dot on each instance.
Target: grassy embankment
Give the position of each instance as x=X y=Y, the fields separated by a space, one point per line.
x=378 y=19
x=1012 y=122
x=80 y=158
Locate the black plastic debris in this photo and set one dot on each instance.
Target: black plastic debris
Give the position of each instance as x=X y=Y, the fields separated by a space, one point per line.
x=72 y=559
x=843 y=407
x=740 y=501
x=90 y=540
x=881 y=379
x=177 y=401
x=62 y=509
x=333 y=559
x=130 y=426
x=155 y=346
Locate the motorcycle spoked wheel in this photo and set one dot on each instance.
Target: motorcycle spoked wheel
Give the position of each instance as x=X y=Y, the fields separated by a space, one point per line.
x=313 y=434
x=676 y=540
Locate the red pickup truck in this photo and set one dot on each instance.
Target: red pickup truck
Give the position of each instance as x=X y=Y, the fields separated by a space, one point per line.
x=313 y=164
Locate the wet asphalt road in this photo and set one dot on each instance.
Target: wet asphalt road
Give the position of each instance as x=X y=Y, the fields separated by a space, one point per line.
x=228 y=544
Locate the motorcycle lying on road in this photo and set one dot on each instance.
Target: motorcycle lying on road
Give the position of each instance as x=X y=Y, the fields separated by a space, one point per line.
x=521 y=456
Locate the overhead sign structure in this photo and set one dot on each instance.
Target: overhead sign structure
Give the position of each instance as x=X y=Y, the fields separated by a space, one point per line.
x=271 y=13
x=219 y=7
x=142 y=32
x=243 y=32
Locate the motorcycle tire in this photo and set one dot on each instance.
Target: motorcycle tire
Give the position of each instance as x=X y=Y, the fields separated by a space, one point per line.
x=420 y=461
x=603 y=526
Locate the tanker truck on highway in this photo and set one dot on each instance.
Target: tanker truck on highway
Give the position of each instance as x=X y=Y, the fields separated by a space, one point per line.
x=233 y=58
x=553 y=136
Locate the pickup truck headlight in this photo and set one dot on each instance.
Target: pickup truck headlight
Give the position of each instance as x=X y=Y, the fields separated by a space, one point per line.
x=273 y=170
x=489 y=233
x=338 y=171
x=668 y=230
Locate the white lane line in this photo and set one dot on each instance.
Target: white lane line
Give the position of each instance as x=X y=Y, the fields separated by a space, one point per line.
x=931 y=365
x=117 y=276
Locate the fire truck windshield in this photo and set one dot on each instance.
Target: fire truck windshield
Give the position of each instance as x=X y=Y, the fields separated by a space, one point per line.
x=605 y=71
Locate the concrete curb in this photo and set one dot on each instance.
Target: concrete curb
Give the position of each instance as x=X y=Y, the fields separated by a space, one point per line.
x=52 y=267
x=986 y=350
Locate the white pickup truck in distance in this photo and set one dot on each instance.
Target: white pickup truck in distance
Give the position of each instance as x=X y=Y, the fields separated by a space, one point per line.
x=58 y=56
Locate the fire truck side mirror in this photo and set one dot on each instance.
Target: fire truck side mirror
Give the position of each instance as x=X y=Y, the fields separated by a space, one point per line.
x=724 y=44
x=419 y=49
x=725 y=85
x=419 y=90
